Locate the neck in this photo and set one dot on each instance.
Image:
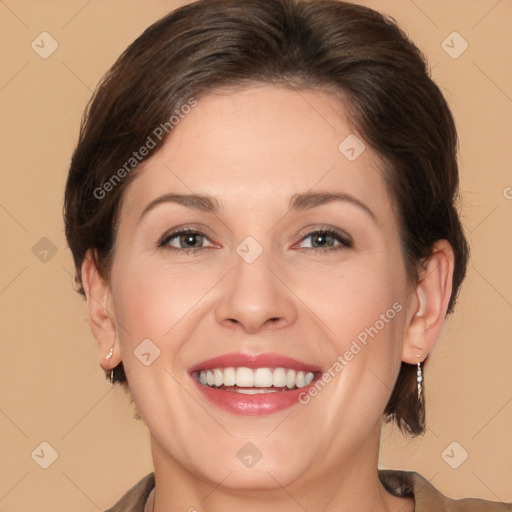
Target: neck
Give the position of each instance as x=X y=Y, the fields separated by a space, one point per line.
x=350 y=485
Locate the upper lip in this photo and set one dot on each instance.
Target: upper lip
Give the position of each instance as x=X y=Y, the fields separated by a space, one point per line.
x=247 y=360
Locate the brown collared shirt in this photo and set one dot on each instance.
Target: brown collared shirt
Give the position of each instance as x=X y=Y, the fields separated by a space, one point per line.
x=399 y=483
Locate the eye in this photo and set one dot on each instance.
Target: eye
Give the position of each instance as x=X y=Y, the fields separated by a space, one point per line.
x=192 y=241
x=326 y=240
x=188 y=240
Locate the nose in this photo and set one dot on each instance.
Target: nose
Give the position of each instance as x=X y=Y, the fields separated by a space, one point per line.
x=256 y=297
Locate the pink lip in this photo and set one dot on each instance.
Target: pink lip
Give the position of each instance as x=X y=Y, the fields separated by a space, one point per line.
x=259 y=404
x=266 y=360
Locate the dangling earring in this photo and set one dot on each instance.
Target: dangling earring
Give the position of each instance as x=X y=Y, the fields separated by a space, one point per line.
x=419 y=379
x=112 y=376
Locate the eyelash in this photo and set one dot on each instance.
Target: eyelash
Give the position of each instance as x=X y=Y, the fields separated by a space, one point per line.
x=186 y=231
x=345 y=241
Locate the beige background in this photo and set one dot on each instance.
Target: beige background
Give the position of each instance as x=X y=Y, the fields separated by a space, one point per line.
x=51 y=386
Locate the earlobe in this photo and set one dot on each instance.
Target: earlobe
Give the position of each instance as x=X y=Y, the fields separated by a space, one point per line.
x=430 y=302
x=101 y=315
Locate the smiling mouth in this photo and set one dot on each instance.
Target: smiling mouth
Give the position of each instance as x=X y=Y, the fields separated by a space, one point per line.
x=252 y=381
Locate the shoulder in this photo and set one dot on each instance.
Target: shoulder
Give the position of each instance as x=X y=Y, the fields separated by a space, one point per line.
x=134 y=500
x=428 y=499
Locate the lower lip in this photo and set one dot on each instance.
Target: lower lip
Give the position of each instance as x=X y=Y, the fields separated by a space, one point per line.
x=253 y=405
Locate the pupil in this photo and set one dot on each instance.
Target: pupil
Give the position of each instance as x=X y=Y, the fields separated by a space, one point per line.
x=190 y=239
x=323 y=239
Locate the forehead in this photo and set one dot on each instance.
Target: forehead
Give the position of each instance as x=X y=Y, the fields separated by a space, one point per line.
x=260 y=145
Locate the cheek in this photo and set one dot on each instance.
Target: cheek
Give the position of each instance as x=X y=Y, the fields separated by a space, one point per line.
x=164 y=304
x=150 y=300
x=363 y=311
x=365 y=315
x=357 y=301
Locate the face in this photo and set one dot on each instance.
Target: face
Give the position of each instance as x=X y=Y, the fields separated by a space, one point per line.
x=268 y=282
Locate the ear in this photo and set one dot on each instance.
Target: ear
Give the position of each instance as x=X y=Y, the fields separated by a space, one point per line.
x=429 y=303
x=101 y=316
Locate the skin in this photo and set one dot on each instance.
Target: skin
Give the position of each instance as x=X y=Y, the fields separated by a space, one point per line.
x=253 y=149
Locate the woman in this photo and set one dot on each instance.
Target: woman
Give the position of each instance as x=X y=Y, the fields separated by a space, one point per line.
x=261 y=210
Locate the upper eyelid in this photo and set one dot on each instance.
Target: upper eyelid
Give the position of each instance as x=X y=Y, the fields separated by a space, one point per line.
x=202 y=230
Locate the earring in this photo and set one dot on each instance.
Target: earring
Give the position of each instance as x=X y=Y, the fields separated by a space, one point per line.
x=419 y=379
x=108 y=356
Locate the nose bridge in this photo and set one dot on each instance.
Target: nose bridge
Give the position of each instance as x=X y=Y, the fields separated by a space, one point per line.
x=254 y=297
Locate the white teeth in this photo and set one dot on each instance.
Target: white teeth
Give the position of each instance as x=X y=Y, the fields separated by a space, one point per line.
x=229 y=376
x=279 y=377
x=257 y=378
x=290 y=379
x=263 y=378
x=244 y=377
x=255 y=391
x=218 y=377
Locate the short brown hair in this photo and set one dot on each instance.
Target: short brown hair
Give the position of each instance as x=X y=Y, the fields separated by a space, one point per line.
x=208 y=45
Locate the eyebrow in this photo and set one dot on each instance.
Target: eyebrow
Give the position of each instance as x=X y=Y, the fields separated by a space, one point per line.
x=200 y=202
x=311 y=199
x=298 y=202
